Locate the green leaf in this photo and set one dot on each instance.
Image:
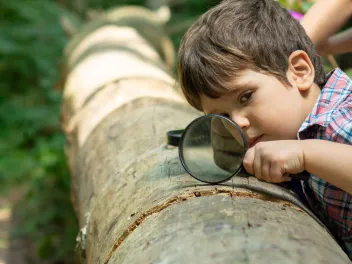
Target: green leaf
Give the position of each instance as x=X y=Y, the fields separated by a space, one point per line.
x=306 y=6
x=349 y=72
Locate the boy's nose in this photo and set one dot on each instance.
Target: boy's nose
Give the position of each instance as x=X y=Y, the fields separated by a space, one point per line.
x=242 y=121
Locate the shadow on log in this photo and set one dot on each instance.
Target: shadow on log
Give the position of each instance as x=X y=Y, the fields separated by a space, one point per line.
x=130 y=192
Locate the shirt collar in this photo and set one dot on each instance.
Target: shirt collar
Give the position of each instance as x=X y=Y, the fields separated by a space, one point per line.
x=336 y=89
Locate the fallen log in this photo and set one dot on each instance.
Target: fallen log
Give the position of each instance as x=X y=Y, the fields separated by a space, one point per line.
x=134 y=201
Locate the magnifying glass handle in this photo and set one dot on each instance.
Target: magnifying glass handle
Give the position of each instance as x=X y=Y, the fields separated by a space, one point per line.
x=304 y=175
x=174 y=137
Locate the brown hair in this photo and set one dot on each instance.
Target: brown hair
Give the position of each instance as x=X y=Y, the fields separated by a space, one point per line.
x=236 y=35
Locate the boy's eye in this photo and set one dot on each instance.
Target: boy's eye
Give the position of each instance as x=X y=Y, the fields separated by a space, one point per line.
x=245 y=97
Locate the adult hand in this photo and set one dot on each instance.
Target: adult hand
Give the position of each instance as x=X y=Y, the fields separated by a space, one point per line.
x=274 y=161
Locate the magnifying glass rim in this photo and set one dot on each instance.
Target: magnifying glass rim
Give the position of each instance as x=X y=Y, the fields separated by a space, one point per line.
x=180 y=147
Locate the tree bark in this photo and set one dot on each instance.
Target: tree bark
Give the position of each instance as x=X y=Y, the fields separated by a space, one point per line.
x=120 y=99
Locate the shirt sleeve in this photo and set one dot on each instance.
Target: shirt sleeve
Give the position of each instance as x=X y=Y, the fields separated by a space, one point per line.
x=339 y=128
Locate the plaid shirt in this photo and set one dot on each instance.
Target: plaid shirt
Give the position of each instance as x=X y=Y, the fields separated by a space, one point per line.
x=331 y=119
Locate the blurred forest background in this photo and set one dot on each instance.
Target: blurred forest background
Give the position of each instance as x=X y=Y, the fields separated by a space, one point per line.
x=35 y=206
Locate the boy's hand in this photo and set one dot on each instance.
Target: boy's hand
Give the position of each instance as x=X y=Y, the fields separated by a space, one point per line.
x=273 y=161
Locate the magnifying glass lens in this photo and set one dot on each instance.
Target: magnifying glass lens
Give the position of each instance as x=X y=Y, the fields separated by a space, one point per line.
x=212 y=148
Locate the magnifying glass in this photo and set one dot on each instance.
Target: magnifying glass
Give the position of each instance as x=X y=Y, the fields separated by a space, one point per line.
x=212 y=148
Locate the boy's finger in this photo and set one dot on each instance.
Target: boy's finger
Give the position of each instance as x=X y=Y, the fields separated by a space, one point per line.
x=228 y=161
x=275 y=171
x=257 y=166
x=226 y=144
x=265 y=171
x=248 y=160
x=287 y=178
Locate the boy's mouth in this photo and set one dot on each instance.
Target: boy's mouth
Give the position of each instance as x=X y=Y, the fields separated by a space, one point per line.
x=254 y=140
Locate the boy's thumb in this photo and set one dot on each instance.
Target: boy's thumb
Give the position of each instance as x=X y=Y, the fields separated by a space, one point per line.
x=248 y=160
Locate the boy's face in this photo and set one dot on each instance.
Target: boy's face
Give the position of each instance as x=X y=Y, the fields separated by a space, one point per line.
x=265 y=108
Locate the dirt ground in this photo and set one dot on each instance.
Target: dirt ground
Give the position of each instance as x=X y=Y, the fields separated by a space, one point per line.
x=12 y=250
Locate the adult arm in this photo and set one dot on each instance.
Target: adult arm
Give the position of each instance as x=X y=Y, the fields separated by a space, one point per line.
x=330 y=161
x=325 y=17
x=337 y=44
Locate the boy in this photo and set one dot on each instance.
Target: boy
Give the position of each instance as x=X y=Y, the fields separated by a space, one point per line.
x=249 y=60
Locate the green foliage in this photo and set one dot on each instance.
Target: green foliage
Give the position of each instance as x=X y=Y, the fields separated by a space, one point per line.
x=183 y=14
x=31 y=145
x=299 y=6
x=31 y=43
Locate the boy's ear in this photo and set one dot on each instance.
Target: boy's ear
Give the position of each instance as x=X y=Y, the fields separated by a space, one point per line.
x=300 y=72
